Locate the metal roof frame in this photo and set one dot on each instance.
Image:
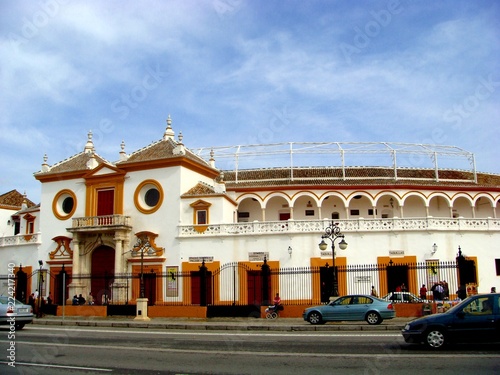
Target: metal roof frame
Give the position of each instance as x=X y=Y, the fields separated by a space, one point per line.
x=294 y=150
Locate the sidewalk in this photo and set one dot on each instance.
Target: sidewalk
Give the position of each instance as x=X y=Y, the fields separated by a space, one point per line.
x=222 y=324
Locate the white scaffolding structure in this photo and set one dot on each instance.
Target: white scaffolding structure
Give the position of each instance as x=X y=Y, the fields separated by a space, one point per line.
x=342 y=155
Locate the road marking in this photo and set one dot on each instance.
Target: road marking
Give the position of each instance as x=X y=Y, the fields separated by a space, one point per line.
x=224 y=333
x=267 y=353
x=59 y=366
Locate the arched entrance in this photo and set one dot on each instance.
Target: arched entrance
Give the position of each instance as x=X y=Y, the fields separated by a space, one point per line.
x=103 y=266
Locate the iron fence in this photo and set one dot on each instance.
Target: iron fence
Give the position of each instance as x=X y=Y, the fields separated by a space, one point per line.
x=236 y=284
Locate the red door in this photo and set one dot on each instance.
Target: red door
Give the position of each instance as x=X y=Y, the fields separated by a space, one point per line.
x=105 y=202
x=196 y=288
x=103 y=266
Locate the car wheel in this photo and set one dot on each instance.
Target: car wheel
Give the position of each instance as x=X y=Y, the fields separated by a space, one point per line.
x=19 y=326
x=373 y=317
x=435 y=338
x=314 y=318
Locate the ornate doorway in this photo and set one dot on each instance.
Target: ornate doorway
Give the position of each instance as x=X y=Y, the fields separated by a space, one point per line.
x=103 y=266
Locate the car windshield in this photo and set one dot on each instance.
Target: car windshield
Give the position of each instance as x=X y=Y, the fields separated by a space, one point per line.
x=458 y=305
x=4 y=300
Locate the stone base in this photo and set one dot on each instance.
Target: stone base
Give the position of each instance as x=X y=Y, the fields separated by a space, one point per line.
x=142 y=309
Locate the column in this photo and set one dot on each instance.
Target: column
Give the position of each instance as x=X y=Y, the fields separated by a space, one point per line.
x=120 y=281
x=76 y=287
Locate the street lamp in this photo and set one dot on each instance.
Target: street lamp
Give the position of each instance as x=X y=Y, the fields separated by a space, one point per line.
x=142 y=245
x=332 y=232
x=39 y=297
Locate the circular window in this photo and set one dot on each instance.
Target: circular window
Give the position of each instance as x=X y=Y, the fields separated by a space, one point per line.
x=68 y=204
x=148 y=196
x=152 y=197
x=64 y=204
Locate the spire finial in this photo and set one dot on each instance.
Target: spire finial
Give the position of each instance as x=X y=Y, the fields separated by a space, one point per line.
x=169 y=133
x=89 y=146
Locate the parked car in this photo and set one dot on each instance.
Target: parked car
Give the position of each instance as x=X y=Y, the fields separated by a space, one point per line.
x=398 y=297
x=12 y=308
x=475 y=319
x=352 y=307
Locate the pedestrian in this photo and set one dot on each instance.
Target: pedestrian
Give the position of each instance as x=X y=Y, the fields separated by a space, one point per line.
x=81 y=300
x=446 y=290
x=439 y=291
x=423 y=292
x=277 y=300
x=403 y=288
x=90 y=299
x=462 y=292
x=31 y=301
x=75 y=300
x=49 y=299
x=374 y=291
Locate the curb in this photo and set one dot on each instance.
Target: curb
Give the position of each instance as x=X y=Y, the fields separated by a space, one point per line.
x=283 y=325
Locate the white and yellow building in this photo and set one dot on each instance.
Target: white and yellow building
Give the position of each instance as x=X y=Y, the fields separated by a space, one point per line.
x=96 y=216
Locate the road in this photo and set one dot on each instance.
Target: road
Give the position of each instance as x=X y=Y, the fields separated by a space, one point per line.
x=88 y=350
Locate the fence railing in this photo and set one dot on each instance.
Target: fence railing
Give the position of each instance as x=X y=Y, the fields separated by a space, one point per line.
x=237 y=284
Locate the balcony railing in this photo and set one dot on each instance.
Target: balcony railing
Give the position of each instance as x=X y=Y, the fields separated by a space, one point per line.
x=351 y=225
x=21 y=239
x=101 y=222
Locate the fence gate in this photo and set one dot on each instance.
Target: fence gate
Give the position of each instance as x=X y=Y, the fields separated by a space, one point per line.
x=238 y=290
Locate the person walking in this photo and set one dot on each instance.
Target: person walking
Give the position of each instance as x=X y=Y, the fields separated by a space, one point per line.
x=374 y=292
x=423 y=292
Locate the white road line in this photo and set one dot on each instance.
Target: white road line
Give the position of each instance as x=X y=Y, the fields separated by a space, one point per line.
x=60 y=366
x=224 y=333
x=122 y=349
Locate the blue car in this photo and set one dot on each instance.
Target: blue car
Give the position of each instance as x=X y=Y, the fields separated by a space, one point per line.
x=352 y=307
x=475 y=319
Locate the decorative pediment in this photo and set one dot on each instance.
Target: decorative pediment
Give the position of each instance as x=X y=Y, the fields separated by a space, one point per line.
x=29 y=217
x=200 y=204
x=104 y=170
x=63 y=249
x=146 y=246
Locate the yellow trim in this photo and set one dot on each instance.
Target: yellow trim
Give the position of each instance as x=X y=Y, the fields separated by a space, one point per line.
x=55 y=204
x=412 y=286
x=201 y=205
x=137 y=192
x=115 y=184
x=341 y=276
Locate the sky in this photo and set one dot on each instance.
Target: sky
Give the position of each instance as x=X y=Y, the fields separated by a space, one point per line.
x=239 y=72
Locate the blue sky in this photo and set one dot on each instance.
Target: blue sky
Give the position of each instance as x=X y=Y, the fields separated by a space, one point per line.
x=244 y=72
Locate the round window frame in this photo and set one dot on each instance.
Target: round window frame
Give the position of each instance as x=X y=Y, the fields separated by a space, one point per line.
x=140 y=196
x=57 y=204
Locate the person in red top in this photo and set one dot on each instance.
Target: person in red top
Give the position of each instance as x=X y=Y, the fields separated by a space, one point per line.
x=277 y=302
x=423 y=292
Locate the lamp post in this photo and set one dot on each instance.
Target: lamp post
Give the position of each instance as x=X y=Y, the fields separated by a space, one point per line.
x=39 y=297
x=141 y=293
x=332 y=232
x=142 y=246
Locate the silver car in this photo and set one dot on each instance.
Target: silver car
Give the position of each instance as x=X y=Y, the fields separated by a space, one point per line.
x=402 y=297
x=352 y=307
x=14 y=312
